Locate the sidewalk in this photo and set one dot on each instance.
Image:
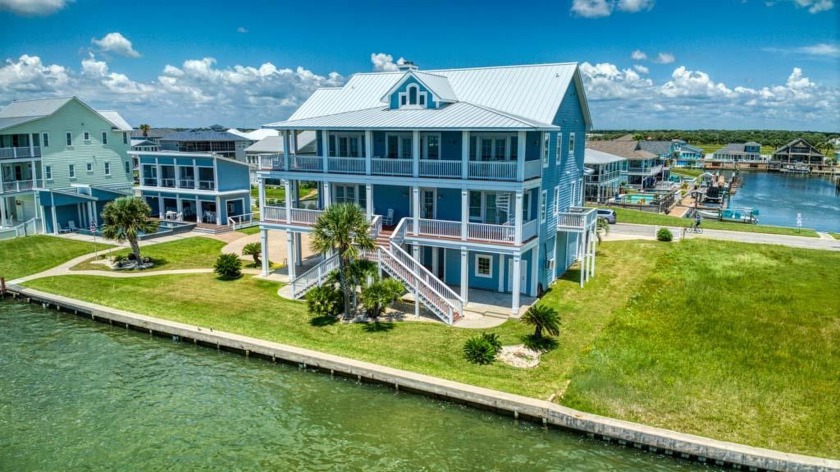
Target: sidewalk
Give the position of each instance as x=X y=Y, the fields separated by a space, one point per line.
x=630 y=231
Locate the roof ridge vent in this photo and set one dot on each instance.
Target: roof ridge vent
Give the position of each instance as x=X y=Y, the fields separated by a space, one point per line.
x=407 y=65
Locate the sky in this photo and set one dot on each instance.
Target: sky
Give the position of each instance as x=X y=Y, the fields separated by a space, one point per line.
x=646 y=64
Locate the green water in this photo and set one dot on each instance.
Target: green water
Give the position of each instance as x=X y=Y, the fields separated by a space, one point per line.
x=79 y=395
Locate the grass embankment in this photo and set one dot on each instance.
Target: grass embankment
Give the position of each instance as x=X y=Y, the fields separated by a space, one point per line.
x=728 y=340
x=188 y=253
x=279 y=193
x=625 y=215
x=685 y=172
x=835 y=235
x=249 y=230
x=26 y=256
x=708 y=149
x=733 y=341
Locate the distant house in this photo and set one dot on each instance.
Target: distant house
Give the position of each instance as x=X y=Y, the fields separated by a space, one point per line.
x=217 y=141
x=255 y=135
x=272 y=146
x=683 y=154
x=603 y=175
x=739 y=152
x=798 y=150
x=643 y=168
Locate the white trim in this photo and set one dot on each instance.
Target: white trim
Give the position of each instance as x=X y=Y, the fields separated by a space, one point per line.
x=572 y=145
x=48 y=173
x=68 y=138
x=556 y=199
x=543 y=206
x=424 y=145
x=107 y=167
x=544 y=149
x=71 y=171
x=104 y=137
x=89 y=167
x=45 y=138
x=558 y=148
x=489 y=265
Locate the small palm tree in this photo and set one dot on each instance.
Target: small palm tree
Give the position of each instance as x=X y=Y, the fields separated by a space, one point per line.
x=145 y=129
x=542 y=318
x=345 y=229
x=254 y=250
x=125 y=219
x=602 y=228
x=378 y=295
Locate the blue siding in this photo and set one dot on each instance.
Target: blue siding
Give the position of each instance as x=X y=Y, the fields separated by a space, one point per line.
x=232 y=176
x=449 y=204
x=451 y=145
x=394 y=100
x=392 y=196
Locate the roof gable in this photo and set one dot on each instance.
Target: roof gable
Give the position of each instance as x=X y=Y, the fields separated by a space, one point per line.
x=437 y=85
x=799 y=142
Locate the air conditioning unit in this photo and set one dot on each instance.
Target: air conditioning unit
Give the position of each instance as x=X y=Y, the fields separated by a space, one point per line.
x=549 y=264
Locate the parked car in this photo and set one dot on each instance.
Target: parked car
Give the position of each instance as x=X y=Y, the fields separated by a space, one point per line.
x=607 y=214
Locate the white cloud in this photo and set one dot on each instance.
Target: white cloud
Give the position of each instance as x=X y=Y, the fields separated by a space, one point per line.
x=384 y=62
x=633 y=6
x=117 y=44
x=592 y=8
x=816 y=50
x=638 y=55
x=242 y=29
x=33 y=7
x=665 y=58
x=641 y=69
x=29 y=75
x=816 y=6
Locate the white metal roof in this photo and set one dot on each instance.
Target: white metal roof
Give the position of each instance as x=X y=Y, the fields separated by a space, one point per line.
x=115 y=120
x=23 y=111
x=274 y=144
x=532 y=92
x=437 y=84
x=599 y=158
x=459 y=115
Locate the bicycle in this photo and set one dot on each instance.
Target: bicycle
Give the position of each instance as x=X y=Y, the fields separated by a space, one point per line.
x=696 y=229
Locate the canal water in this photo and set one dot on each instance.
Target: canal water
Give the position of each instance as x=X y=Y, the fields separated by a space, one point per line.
x=79 y=395
x=780 y=197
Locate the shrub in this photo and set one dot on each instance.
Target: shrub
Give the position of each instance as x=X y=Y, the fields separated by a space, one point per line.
x=378 y=295
x=254 y=250
x=478 y=350
x=664 y=234
x=228 y=266
x=494 y=341
x=325 y=301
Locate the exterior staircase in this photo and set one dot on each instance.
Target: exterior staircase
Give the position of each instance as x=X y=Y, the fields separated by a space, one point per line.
x=205 y=228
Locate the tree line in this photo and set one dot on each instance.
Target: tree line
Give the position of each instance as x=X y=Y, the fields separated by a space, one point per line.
x=775 y=138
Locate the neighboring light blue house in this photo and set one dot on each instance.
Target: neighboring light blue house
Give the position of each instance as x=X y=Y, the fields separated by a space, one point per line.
x=61 y=161
x=197 y=187
x=472 y=178
x=604 y=174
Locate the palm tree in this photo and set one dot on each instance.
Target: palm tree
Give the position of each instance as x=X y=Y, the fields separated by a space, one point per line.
x=254 y=250
x=145 y=129
x=542 y=318
x=602 y=228
x=345 y=229
x=124 y=219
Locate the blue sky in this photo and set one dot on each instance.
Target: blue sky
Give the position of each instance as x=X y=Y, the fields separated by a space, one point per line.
x=646 y=63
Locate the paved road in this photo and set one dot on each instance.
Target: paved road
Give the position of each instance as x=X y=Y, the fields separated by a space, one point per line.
x=649 y=231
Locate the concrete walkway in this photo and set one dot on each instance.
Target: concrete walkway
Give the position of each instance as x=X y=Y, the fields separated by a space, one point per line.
x=635 y=231
x=277 y=246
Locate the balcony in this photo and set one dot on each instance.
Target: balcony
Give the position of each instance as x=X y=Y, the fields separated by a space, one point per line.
x=20 y=152
x=167 y=182
x=18 y=186
x=475 y=232
x=576 y=219
x=439 y=169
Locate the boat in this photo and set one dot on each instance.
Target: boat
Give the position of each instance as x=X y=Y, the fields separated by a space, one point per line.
x=709 y=215
x=796 y=168
x=740 y=215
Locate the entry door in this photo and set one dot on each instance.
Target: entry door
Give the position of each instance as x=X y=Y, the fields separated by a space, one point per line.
x=523 y=276
x=428 y=203
x=231 y=209
x=18 y=172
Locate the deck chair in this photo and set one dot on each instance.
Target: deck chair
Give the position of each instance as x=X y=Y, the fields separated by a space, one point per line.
x=72 y=226
x=388 y=219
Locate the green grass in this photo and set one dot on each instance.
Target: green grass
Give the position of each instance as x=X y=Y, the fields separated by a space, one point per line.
x=26 y=256
x=279 y=193
x=188 y=253
x=835 y=235
x=625 y=215
x=728 y=340
x=685 y=172
x=708 y=149
x=249 y=230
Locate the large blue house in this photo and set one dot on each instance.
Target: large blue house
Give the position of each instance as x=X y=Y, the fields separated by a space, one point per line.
x=472 y=178
x=197 y=187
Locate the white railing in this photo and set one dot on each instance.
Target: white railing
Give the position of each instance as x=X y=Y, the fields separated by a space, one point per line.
x=206 y=185
x=576 y=218
x=533 y=169
x=241 y=221
x=186 y=183
x=492 y=170
x=529 y=229
x=346 y=165
x=305 y=164
x=446 y=169
x=391 y=167
x=398 y=236
x=167 y=182
x=20 y=152
x=491 y=233
x=449 y=229
x=273 y=213
x=314 y=277
x=26 y=228
x=300 y=215
x=375 y=226
x=271 y=162
x=18 y=186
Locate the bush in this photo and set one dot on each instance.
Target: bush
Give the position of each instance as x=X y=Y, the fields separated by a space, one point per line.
x=379 y=295
x=664 y=234
x=494 y=341
x=325 y=301
x=479 y=350
x=228 y=266
x=254 y=250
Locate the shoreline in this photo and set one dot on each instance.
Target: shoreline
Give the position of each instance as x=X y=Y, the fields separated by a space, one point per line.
x=640 y=436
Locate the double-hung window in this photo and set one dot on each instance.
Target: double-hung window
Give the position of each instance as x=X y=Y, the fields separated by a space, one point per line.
x=48 y=172
x=127 y=167
x=87 y=137
x=125 y=138
x=68 y=138
x=543 y=203
x=104 y=137
x=556 y=199
x=89 y=167
x=483 y=266
x=107 y=168
x=546 y=141
x=72 y=171
x=558 y=149
x=45 y=139
x=571 y=145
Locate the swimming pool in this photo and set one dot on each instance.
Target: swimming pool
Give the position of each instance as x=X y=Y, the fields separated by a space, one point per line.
x=165 y=228
x=638 y=199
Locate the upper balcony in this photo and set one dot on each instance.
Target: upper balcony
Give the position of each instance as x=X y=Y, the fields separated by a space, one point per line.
x=425 y=168
x=24 y=152
x=577 y=219
x=16 y=186
x=178 y=177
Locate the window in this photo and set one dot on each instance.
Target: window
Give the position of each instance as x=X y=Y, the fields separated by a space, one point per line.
x=107 y=168
x=45 y=138
x=571 y=145
x=398 y=146
x=559 y=149
x=556 y=199
x=413 y=97
x=514 y=147
x=546 y=140
x=127 y=167
x=125 y=138
x=104 y=137
x=543 y=197
x=87 y=137
x=431 y=146
x=48 y=172
x=484 y=266
x=72 y=171
x=89 y=167
x=69 y=138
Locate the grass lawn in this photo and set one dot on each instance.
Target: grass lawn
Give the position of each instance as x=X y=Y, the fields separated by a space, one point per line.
x=687 y=172
x=249 y=230
x=626 y=215
x=26 y=256
x=279 y=193
x=835 y=235
x=728 y=340
x=708 y=149
x=188 y=253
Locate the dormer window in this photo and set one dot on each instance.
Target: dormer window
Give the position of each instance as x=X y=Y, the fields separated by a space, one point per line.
x=413 y=97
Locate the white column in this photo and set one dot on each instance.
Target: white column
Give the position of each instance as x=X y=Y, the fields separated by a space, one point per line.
x=415 y=209
x=518 y=214
x=435 y=264
x=327 y=198
x=517 y=276
x=465 y=263
x=31 y=145
x=501 y=272
x=521 y=141
x=261 y=184
x=93 y=215
x=2 y=211
x=158 y=173
x=195 y=176
x=178 y=179
x=465 y=154
x=581 y=236
x=415 y=153
x=594 y=248
x=325 y=149
x=54 y=216
x=218 y=211
x=535 y=274
x=286 y=145
x=368 y=150
x=290 y=255
x=298 y=249
x=465 y=213
x=369 y=200
x=415 y=252
x=288 y=191
x=264 y=244
x=161 y=210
